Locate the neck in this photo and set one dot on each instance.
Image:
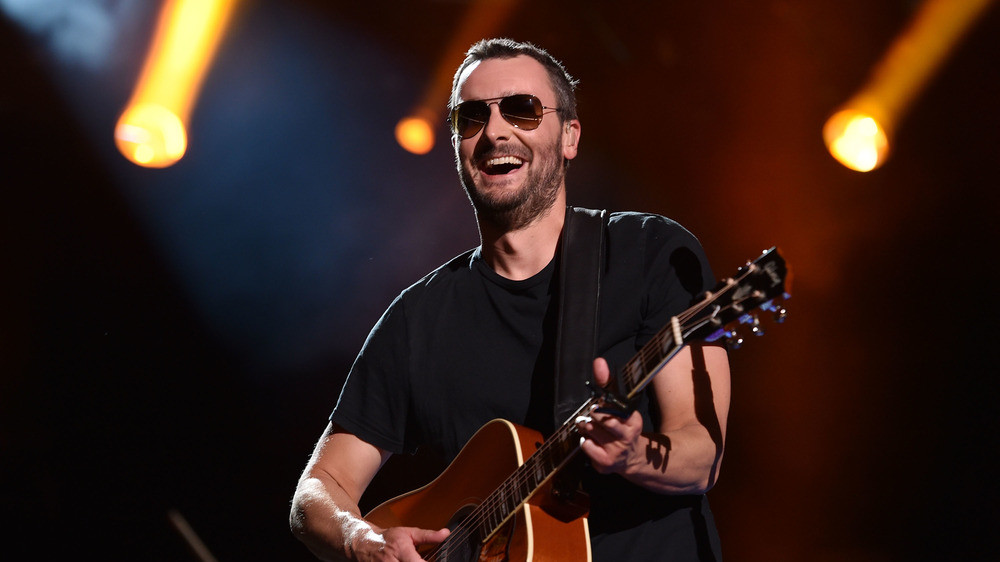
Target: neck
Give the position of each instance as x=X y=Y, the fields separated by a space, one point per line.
x=520 y=254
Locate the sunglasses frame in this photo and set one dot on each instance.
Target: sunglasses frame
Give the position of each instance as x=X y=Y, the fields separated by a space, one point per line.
x=454 y=116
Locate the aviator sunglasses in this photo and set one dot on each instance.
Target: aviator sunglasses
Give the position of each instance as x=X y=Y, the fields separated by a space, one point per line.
x=523 y=111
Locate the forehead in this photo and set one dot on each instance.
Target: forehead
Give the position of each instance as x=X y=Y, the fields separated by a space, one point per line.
x=493 y=78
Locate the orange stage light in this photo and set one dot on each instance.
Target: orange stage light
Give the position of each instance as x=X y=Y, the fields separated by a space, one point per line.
x=859 y=134
x=152 y=130
x=483 y=18
x=416 y=133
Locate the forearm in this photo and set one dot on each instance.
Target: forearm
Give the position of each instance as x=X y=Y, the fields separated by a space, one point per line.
x=684 y=457
x=329 y=523
x=684 y=461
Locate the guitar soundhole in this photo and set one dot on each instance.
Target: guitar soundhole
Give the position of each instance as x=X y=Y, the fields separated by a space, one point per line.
x=465 y=544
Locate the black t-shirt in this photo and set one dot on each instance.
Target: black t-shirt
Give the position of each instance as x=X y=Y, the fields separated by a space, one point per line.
x=464 y=345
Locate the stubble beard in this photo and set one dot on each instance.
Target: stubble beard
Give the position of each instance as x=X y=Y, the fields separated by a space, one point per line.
x=509 y=211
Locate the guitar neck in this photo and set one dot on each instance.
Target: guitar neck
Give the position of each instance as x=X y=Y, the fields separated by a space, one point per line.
x=640 y=370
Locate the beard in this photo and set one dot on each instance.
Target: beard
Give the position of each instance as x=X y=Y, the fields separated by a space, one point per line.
x=510 y=211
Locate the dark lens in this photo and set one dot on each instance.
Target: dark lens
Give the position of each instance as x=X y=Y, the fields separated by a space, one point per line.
x=522 y=110
x=469 y=117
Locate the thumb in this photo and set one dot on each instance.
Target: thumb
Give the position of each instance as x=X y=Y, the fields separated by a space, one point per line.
x=602 y=373
x=424 y=536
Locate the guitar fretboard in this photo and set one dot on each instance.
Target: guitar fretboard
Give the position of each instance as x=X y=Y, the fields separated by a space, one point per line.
x=641 y=369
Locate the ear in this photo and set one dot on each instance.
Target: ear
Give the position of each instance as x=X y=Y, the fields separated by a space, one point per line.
x=570 y=138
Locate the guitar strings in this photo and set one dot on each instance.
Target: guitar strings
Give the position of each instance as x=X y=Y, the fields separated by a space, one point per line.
x=512 y=485
x=664 y=340
x=522 y=474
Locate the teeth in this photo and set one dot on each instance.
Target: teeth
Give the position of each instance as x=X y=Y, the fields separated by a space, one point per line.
x=514 y=160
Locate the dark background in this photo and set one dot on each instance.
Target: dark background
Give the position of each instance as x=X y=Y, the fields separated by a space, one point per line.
x=174 y=339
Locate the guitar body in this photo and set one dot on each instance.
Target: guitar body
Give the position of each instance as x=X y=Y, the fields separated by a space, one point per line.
x=543 y=529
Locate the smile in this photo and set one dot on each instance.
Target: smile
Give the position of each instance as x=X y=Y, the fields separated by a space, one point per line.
x=502 y=165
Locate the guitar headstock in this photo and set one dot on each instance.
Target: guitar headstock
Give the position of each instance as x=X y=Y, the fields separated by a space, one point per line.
x=759 y=285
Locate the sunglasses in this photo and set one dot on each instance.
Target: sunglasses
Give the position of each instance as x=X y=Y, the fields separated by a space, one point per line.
x=523 y=111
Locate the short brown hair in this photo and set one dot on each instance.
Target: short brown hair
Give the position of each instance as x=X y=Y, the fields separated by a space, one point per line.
x=563 y=84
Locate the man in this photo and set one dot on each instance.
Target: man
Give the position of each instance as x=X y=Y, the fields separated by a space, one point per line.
x=472 y=342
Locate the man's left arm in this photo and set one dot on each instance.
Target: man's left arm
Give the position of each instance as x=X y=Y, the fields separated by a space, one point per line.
x=684 y=455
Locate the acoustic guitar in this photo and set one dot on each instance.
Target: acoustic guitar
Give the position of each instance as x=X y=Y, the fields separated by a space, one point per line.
x=497 y=495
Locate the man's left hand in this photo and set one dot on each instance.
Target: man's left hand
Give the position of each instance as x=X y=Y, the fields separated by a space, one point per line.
x=611 y=442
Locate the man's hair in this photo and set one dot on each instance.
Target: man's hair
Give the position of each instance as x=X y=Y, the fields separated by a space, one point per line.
x=563 y=84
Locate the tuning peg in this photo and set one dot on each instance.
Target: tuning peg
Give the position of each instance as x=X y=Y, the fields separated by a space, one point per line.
x=754 y=323
x=733 y=339
x=780 y=313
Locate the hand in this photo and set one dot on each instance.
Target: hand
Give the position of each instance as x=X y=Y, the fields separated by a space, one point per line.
x=399 y=543
x=610 y=441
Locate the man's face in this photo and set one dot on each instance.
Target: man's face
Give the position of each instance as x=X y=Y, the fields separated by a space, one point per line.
x=512 y=175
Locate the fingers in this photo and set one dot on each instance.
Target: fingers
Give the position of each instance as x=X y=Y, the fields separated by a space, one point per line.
x=610 y=441
x=602 y=429
x=608 y=427
x=603 y=459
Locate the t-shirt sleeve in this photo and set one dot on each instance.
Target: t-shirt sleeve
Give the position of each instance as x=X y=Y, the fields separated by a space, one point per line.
x=374 y=401
x=676 y=273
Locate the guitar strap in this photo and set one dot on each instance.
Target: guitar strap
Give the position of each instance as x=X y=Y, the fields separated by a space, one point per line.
x=582 y=263
x=581 y=266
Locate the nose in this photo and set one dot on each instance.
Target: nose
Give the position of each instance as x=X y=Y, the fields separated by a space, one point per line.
x=496 y=126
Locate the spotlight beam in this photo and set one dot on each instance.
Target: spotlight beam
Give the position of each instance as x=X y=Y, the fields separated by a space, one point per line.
x=152 y=130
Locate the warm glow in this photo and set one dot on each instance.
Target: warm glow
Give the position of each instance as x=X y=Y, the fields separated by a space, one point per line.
x=154 y=134
x=152 y=131
x=415 y=135
x=856 y=140
x=481 y=19
x=857 y=134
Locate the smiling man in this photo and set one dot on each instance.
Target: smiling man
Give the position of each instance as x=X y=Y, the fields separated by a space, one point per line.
x=513 y=171
x=474 y=341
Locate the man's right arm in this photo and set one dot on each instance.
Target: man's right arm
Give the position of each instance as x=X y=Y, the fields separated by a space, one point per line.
x=325 y=514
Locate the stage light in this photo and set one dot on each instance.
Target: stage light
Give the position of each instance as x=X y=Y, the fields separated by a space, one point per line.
x=856 y=139
x=152 y=130
x=859 y=134
x=415 y=133
x=482 y=18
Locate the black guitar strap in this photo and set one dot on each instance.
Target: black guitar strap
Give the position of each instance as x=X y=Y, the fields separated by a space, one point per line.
x=582 y=263
x=580 y=270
